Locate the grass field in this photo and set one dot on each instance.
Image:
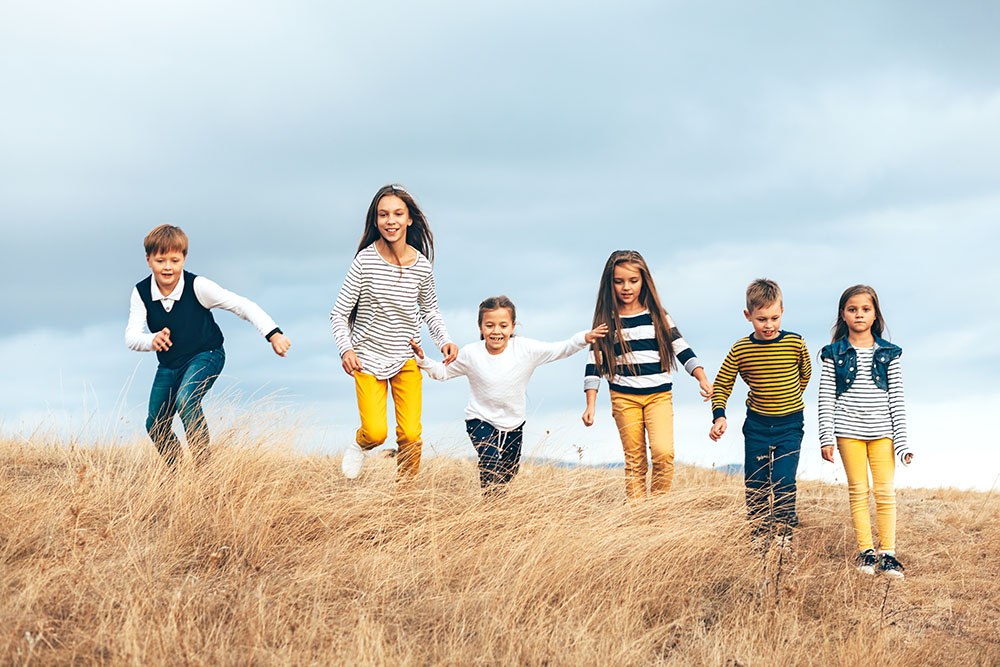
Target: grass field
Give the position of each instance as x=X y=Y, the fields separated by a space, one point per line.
x=265 y=557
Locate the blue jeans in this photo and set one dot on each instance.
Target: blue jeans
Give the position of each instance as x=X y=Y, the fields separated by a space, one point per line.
x=182 y=390
x=772 y=447
x=499 y=453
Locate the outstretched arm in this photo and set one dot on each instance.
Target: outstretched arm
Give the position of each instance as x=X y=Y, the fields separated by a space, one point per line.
x=437 y=370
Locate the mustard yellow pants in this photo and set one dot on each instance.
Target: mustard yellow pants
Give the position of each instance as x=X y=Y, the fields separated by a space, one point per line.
x=636 y=416
x=406 y=398
x=857 y=456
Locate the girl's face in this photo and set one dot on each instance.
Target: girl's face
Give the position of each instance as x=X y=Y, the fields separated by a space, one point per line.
x=392 y=218
x=628 y=284
x=859 y=313
x=496 y=328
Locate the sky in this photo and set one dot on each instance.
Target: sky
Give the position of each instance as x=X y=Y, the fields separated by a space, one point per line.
x=818 y=145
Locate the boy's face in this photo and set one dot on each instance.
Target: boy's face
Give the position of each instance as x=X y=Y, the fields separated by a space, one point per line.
x=167 y=268
x=766 y=320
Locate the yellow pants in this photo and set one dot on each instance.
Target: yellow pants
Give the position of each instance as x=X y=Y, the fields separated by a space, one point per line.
x=858 y=455
x=636 y=415
x=406 y=398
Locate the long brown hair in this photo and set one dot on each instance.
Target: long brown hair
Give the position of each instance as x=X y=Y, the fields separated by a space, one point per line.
x=418 y=234
x=840 y=326
x=606 y=312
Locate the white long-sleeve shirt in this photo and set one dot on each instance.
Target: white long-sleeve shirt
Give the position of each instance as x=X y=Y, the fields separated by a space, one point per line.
x=391 y=301
x=209 y=294
x=498 y=382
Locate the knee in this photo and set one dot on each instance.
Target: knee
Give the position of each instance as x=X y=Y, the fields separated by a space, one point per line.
x=372 y=435
x=408 y=435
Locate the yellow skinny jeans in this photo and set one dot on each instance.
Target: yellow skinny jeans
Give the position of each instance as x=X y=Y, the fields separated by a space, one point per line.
x=406 y=398
x=857 y=456
x=636 y=416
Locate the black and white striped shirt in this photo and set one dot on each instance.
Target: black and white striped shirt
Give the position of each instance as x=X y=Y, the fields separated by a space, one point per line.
x=639 y=371
x=863 y=412
x=391 y=301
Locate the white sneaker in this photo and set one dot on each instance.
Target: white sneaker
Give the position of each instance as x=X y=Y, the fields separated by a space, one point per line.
x=354 y=460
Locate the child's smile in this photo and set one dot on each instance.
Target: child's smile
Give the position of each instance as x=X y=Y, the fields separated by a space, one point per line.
x=496 y=328
x=167 y=268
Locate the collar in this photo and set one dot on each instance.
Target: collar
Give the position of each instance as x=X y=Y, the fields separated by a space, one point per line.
x=157 y=295
x=753 y=339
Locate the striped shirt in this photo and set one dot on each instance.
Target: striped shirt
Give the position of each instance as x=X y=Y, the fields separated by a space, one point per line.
x=639 y=371
x=391 y=301
x=863 y=412
x=776 y=372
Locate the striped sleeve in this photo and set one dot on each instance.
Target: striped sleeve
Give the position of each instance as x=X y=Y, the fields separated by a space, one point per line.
x=827 y=403
x=591 y=380
x=427 y=298
x=723 y=386
x=897 y=410
x=350 y=292
x=685 y=355
x=805 y=366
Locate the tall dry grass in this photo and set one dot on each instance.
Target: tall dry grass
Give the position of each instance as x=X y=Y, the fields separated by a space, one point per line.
x=263 y=556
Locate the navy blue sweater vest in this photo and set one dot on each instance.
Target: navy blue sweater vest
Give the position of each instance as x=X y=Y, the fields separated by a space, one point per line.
x=192 y=327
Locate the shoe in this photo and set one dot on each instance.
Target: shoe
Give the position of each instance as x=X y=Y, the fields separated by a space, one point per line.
x=890 y=567
x=353 y=461
x=866 y=561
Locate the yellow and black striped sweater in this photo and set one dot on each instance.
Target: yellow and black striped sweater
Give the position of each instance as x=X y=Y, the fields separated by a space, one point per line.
x=776 y=371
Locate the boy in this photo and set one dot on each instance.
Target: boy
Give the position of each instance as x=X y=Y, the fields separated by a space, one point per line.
x=775 y=366
x=176 y=305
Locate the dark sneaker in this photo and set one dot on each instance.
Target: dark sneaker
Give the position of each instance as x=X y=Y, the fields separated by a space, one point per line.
x=867 y=561
x=890 y=567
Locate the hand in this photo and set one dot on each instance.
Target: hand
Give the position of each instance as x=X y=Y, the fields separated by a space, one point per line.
x=718 y=428
x=599 y=331
x=161 y=341
x=450 y=351
x=706 y=389
x=827 y=453
x=417 y=350
x=350 y=362
x=588 y=416
x=280 y=344
x=907 y=458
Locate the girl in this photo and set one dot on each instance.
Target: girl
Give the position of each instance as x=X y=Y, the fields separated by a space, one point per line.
x=636 y=359
x=861 y=408
x=388 y=289
x=499 y=367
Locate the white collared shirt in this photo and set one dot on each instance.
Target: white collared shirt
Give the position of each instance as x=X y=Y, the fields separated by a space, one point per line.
x=209 y=294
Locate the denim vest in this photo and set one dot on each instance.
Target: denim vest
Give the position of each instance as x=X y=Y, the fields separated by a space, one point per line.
x=845 y=362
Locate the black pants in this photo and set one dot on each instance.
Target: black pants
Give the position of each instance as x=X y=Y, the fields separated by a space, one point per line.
x=499 y=452
x=772 y=446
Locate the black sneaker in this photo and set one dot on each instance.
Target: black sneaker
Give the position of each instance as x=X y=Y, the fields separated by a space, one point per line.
x=890 y=567
x=866 y=561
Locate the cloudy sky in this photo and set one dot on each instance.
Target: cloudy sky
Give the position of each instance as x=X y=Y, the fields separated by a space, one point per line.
x=821 y=146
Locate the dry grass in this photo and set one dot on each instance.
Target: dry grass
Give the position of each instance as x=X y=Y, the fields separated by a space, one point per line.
x=265 y=557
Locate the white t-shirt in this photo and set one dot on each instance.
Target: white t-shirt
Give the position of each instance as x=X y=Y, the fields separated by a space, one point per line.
x=497 y=382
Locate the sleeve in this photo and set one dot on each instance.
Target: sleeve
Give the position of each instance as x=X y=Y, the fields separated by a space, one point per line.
x=897 y=410
x=427 y=300
x=591 y=380
x=723 y=385
x=827 y=403
x=685 y=355
x=805 y=366
x=348 y=297
x=438 y=371
x=136 y=336
x=211 y=295
x=543 y=353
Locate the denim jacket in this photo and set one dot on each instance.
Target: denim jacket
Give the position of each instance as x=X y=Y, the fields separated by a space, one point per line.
x=845 y=362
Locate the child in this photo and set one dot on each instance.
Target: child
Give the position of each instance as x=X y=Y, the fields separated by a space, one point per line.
x=863 y=412
x=498 y=368
x=775 y=366
x=176 y=306
x=645 y=345
x=388 y=289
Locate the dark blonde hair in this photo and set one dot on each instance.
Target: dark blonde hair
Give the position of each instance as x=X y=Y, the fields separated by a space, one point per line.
x=840 y=326
x=493 y=303
x=606 y=312
x=166 y=238
x=762 y=292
